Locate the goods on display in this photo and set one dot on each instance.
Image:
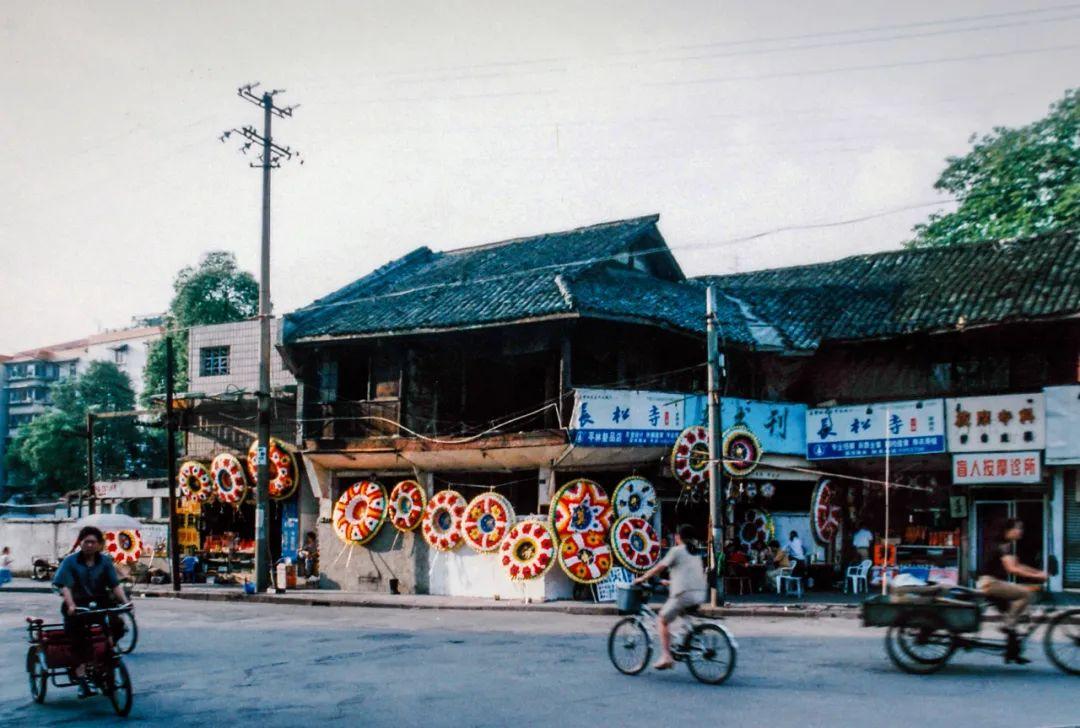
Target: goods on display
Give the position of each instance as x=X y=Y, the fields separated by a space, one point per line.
x=767 y=490
x=485 y=523
x=528 y=550
x=230 y=482
x=825 y=511
x=442 y=520
x=282 y=464
x=634 y=496
x=580 y=506
x=636 y=543
x=690 y=456
x=757 y=529
x=741 y=452
x=360 y=512
x=407 y=502
x=124 y=546
x=194 y=482
x=585 y=556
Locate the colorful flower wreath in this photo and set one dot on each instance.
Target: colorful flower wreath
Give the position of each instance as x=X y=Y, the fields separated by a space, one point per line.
x=636 y=544
x=282 y=468
x=230 y=481
x=194 y=482
x=741 y=452
x=580 y=506
x=360 y=512
x=442 y=520
x=690 y=455
x=486 y=521
x=124 y=546
x=407 y=502
x=528 y=550
x=586 y=557
x=634 y=496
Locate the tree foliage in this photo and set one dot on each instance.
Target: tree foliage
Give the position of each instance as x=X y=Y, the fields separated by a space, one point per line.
x=215 y=291
x=1013 y=183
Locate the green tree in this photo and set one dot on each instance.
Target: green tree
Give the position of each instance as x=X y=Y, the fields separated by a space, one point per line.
x=50 y=453
x=214 y=292
x=1013 y=183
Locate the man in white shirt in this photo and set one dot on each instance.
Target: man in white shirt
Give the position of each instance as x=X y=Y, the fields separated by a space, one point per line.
x=795 y=548
x=688 y=588
x=861 y=541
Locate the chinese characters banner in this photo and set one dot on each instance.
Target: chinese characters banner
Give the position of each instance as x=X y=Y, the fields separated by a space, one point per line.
x=860 y=431
x=627 y=418
x=1005 y=422
x=997 y=467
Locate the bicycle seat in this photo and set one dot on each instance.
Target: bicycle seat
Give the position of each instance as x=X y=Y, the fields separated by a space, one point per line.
x=35 y=620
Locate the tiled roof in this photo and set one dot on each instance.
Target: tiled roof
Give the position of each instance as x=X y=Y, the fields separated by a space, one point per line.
x=911 y=291
x=557 y=274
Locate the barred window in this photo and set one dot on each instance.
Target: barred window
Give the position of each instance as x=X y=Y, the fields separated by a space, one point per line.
x=214 y=361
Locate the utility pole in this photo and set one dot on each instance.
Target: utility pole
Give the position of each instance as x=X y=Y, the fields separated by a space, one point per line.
x=270 y=158
x=717 y=502
x=170 y=463
x=90 y=459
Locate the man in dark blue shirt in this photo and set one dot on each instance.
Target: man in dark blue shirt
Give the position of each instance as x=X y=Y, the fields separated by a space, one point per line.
x=86 y=577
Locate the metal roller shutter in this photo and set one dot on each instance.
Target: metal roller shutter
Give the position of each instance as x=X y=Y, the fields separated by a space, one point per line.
x=1072 y=530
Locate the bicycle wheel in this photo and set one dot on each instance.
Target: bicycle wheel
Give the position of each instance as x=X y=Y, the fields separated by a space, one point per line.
x=39 y=677
x=125 y=643
x=118 y=687
x=1061 y=642
x=629 y=646
x=919 y=643
x=710 y=654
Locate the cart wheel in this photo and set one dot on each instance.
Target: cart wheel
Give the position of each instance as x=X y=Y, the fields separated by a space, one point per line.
x=125 y=643
x=919 y=643
x=1062 y=641
x=629 y=646
x=710 y=654
x=41 y=572
x=39 y=676
x=118 y=688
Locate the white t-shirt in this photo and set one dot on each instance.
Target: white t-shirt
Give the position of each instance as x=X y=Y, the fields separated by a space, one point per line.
x=685 y=570
x=795 y=549
x=862 y=539
x=6 y=561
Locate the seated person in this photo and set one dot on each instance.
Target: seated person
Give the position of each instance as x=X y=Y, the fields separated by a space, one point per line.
x=189 y=566
x=780 y=561
x=994 y=583
x=738 y=558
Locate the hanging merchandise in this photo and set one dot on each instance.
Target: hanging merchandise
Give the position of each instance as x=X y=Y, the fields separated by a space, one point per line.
x=487 y=519
x=825 y=511
x=528 y=550
x=585 y=556
x=634 y=496
x=757 y=529
x=690 y=456
x=741 y=452
x=406 y=507
x=124 y=546
x=580 y=506
x=230 y=482
x=360 y=512
x=636 y=544
x=751 y=490
x=282 y=468
x=767 y=490
x=194 y=482
x=442 y=520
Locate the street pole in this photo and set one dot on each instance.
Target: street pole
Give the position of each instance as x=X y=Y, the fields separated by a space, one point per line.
x=716 y=482
x=90 y=459
x=272 y=154
x=170 y=463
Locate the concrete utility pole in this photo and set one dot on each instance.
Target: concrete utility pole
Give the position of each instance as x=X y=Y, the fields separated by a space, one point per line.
x=170 y=463
x=90 y=459
x=717 y=505
x=269 y=159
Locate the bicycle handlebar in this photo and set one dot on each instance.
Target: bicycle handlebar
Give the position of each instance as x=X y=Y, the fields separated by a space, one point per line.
x=105 y=610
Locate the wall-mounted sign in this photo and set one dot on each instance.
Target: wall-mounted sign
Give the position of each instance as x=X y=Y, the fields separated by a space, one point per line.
x=997 y=467
x=865 y=430
x=996 y=424
x=1063 y=425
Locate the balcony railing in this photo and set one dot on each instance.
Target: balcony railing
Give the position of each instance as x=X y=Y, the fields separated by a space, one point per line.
x=355 y=420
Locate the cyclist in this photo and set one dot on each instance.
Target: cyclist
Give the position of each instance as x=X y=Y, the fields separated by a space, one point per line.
x=688 y=588
x=994 y=583
x=84 y=577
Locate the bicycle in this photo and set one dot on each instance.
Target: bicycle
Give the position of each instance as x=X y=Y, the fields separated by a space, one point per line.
x=926 y=629
x=707 y=648
x=50 y=658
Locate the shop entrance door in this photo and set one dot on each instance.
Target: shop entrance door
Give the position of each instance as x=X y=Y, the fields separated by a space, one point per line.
x=989 y=522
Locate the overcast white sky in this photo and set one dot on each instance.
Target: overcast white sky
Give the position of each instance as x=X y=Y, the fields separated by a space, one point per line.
x=457 y=123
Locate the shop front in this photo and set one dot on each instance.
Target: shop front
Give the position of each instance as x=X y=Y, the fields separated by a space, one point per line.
x=1063 y=473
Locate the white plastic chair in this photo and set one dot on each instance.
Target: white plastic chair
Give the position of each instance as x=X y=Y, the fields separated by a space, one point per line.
x=856 y=575
x=786 y=576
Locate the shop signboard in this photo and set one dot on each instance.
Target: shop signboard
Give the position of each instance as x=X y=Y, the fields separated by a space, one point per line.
x=1063 y=425
x=633 y=418
x=999 y=423
x=155 y=538
x=290 y=530
x=915 y=427
x=997 y=467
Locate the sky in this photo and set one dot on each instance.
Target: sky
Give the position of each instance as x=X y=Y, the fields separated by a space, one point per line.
x=459 y=123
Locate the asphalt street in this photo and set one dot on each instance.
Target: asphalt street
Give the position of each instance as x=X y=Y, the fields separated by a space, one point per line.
x=209 y=663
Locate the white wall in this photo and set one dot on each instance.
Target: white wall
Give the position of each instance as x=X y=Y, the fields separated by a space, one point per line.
x=30 y=537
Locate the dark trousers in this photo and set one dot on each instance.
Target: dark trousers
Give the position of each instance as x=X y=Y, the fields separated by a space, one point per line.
x=77 y=628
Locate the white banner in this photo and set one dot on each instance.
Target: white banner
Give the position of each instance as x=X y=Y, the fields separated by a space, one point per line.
x=1063 y=425
x=860 y=430
x=997 y=467
x=995 y=424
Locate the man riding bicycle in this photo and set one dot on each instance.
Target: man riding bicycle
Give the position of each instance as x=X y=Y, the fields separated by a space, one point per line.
x=688 y=588
x=994 y=583
x=86 y=577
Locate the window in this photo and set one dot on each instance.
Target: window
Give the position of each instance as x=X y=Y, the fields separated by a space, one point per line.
x=214 y=361
x=120 y=355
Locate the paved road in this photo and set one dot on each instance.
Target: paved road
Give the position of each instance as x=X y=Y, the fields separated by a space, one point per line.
x=216 y=663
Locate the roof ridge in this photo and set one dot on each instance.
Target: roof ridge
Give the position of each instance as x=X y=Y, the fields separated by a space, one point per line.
x=644 y=219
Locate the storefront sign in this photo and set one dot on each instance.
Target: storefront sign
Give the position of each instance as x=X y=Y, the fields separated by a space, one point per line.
x=997 y=467
x=1063 y=425
x=861 y=431
x=634 y=418
x=1001 y=423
